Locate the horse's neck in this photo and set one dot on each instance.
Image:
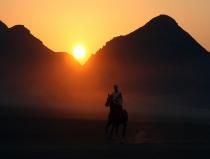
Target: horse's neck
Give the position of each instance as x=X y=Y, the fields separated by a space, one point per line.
x=111 y=104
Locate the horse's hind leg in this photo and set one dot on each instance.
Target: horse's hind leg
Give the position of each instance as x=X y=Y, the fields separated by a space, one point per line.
x=124 y=129
x=111 y=132
x=116 y=129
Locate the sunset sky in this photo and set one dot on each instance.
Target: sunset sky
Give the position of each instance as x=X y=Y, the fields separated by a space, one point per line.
x=65 y=23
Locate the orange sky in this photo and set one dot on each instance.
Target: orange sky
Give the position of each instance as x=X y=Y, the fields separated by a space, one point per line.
x=65 y=23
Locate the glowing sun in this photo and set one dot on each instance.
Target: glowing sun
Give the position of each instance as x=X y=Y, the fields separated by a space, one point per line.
x=79 y=52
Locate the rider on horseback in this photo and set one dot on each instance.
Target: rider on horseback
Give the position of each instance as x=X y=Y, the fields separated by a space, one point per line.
x=117 y=97
x=117 y=115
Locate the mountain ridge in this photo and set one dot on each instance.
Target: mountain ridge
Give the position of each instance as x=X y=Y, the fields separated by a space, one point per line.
x=159 y=65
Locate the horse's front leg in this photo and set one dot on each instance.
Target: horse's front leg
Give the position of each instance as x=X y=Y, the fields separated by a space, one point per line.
x=107 y=127
x=111 y=132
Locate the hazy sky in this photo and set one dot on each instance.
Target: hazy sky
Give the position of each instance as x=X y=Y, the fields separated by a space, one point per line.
x=61 y=24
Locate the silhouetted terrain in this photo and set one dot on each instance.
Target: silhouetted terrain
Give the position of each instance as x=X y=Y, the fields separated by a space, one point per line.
x=159 y=66
x=31 y=74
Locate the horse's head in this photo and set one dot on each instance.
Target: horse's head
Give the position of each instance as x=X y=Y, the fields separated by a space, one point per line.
x=108 y=100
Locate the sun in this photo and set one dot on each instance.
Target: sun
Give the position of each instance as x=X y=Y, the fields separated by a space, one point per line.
x=79 y=52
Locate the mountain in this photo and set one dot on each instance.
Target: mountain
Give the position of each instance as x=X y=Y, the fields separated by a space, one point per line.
x=3 y=27
x=159 y=66
x=31 y=73
x=161 y=69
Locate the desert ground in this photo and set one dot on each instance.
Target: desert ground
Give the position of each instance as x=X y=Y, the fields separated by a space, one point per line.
x=24 y=137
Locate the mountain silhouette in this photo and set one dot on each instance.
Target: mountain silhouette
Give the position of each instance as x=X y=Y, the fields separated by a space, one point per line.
x=3 y=27
x=31 y=73
x=160 y=38
x=157 y=65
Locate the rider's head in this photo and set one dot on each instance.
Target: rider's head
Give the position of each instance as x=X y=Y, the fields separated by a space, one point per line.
x=115 y=87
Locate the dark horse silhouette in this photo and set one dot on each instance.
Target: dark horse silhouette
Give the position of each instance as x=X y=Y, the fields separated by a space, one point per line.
x=117 y=116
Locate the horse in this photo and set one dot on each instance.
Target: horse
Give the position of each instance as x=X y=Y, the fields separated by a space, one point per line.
x=117 y=116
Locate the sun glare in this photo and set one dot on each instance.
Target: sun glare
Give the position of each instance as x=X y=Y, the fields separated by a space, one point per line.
x=79 y=52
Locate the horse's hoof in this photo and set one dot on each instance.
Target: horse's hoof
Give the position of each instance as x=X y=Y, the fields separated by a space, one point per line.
x=109 y=137
x=122 y=141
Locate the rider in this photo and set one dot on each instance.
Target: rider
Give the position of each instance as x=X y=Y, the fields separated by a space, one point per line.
x=117 y=97
x=117 y=115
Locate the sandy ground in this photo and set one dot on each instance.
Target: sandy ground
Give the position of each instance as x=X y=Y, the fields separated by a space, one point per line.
x=102 y=151
x=57 y=139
